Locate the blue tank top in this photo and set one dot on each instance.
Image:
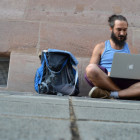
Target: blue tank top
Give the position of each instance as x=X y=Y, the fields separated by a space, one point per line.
x=108 y=54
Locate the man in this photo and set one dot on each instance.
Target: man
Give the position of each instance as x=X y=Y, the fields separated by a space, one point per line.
x=98 y=71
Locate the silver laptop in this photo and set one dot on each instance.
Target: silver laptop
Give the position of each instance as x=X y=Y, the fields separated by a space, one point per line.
x=126 y=66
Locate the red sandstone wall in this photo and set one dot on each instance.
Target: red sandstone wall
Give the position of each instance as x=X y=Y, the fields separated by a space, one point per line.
x=29 y=26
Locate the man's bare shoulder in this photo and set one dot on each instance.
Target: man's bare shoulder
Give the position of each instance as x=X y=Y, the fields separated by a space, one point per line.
x=97 y=52
x=100 y=47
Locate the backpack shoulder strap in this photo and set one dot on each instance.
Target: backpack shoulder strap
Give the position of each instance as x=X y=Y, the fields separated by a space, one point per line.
x=76 y=79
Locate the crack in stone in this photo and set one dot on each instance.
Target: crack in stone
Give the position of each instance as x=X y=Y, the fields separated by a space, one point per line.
x=73 y=126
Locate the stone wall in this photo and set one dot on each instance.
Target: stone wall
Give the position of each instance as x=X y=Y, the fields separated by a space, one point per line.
x=29 y=26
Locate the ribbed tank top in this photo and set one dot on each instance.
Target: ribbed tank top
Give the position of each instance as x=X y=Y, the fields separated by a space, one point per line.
x=108 y=54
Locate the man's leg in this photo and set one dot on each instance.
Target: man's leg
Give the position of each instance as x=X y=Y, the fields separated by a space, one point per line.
x=99 y=78
x=131 y=92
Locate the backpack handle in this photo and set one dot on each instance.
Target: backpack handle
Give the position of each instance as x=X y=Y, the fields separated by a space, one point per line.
x=55 y=72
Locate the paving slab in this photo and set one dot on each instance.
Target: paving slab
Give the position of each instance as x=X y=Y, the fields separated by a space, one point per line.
x=108 y=110
x=33 y=128
x=108 y=131
x=34 y=116
x=30 y=116
x=34 y=106
x=100 y=119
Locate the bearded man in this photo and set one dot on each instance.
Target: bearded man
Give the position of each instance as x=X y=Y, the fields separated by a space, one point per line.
x=98 y=70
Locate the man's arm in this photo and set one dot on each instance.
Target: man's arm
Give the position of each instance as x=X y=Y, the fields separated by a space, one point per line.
x=96 y=54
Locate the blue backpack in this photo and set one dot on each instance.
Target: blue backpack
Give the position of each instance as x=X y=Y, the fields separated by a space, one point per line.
x=58 y=73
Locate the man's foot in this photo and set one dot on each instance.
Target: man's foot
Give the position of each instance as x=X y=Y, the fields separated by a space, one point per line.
x=96 y=92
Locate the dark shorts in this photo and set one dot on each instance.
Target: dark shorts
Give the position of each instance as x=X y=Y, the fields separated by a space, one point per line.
x=120 y=82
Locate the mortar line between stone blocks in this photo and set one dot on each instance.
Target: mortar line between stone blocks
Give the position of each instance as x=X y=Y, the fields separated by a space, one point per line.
x=38 y=43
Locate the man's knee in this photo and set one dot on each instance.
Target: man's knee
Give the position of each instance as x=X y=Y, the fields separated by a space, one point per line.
x=92 y=70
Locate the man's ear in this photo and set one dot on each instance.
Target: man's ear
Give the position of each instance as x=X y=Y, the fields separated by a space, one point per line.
x=111 y=29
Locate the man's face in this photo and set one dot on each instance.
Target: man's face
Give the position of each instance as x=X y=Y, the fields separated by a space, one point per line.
x=119 y=32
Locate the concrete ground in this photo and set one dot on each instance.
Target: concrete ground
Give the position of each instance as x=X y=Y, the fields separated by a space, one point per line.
x=30 y=116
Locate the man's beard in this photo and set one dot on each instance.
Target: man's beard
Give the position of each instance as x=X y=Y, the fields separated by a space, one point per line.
x=118 y=42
